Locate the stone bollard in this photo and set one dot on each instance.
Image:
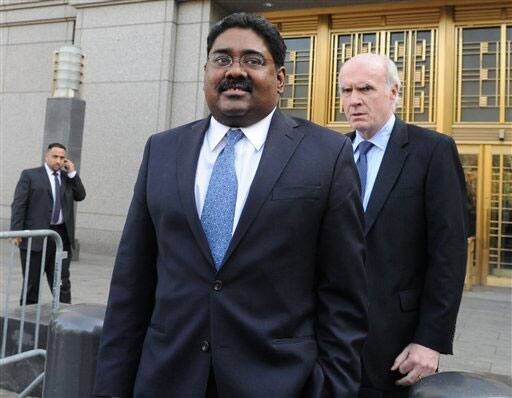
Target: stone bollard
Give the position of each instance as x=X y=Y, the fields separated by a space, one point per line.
x=462 y=385
x=73 y=341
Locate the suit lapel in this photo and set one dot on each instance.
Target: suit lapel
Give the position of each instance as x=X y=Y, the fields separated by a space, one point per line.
x=282 y=140
x=188 y=154
x=389 y=170
x=63 y=184
x=46 y=181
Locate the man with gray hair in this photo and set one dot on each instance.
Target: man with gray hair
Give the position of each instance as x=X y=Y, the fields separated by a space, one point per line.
x=413 y=192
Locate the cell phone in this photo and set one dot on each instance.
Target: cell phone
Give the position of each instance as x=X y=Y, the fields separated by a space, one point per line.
x=65 y=165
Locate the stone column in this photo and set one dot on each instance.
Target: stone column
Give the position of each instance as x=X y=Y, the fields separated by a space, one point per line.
x=65 y=111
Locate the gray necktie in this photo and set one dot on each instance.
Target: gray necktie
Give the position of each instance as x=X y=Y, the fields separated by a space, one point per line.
x=362 y=164
x=219 y=204
x=57 y=206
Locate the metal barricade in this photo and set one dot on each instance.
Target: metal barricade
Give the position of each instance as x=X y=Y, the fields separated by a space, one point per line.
x=59 y=256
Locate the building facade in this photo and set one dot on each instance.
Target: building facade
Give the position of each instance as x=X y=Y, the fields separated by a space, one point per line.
x=143 y=73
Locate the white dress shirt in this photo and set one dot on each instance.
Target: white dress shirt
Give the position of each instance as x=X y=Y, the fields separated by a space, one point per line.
x=49 y=172
x=374 y=156
x=248 y=152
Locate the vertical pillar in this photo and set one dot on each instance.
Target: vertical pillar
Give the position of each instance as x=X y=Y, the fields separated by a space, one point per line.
x=64 y=123
x=65 y=111
x=320 y=100
x=446 y=71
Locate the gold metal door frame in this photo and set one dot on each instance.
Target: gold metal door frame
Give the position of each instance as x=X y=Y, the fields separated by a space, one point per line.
x=488 y=152
x=480 y=271
x=416 y=60
x=476 y=273
x=291 y=77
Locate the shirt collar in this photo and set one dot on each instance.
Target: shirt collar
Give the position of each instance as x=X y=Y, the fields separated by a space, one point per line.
x=381 y=138
x=49 y=171
x=255 y=133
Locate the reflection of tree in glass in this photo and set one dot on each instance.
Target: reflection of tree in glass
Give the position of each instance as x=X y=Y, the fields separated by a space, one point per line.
x=471 y=185
x=506 y=216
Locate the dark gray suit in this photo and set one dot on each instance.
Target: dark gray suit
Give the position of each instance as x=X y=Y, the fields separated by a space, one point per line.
x=285 y=316
x=32 y=209
x=416 y=249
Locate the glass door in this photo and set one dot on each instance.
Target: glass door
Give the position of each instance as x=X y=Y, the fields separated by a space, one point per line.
x=498 y=203
x=471 y=159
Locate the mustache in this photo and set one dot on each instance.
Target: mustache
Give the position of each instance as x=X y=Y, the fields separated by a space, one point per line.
x=240 y=84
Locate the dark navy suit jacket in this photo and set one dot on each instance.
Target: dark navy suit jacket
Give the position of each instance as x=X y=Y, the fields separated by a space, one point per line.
x=286 y=314
x=33 y=203
x=416 y=248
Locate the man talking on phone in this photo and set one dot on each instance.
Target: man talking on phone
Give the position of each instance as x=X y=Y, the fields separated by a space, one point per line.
x=43 y=199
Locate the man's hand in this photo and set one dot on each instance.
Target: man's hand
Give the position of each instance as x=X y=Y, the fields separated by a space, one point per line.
x=69 y=166
x=16 y=241
x=415 y=361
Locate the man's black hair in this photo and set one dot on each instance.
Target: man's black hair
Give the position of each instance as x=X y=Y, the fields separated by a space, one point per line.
x=259 y=25
x=56 y=145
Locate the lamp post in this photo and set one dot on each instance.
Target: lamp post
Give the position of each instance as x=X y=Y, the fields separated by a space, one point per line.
x=67 y=74
x=65 y=110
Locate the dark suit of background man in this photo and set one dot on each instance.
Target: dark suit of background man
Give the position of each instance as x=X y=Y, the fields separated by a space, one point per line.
x=265 y=296
x=414 y=199
x=35 y=207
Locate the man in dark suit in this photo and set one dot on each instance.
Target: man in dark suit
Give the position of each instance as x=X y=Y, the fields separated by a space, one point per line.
x=240 y=270
x=413 y=193
x=43 y=199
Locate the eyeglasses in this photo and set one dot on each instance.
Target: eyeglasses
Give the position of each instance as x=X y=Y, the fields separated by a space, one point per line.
x=246 y=61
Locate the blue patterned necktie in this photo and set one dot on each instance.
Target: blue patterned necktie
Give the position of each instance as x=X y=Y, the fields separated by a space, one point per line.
x=362 y=164
x=219 y=205
x=57 y=207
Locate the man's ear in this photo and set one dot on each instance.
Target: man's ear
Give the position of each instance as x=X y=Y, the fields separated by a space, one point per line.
x=394 y=91
x=281 y=78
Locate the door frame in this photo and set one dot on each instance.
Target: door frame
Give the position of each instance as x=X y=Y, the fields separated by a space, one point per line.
x=479 y=273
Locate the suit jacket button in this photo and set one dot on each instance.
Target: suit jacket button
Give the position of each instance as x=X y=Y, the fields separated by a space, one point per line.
x=217 y=285
x=205 y=346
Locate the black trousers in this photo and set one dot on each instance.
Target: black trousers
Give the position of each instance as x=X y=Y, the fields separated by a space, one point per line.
x=364 y=392
x=35 y=268
x=368 y=390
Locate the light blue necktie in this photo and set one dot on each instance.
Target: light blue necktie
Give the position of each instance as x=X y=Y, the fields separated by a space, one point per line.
x=362 y=164
x=219 y=205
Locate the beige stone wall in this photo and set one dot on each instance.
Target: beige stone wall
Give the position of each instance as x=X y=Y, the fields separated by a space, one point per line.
x=28 y=37
x=143 y=73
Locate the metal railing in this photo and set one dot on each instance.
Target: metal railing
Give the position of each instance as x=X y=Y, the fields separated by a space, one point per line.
x=59 y=256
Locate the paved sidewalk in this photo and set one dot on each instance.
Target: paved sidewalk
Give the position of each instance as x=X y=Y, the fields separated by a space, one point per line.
x=90 y=278
x=482 y=340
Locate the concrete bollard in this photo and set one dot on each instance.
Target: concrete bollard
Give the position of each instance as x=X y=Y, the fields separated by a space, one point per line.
x=73 y=342
x=461 y=385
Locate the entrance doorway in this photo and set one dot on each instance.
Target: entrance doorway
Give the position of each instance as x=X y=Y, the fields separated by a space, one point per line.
x=488 y=171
